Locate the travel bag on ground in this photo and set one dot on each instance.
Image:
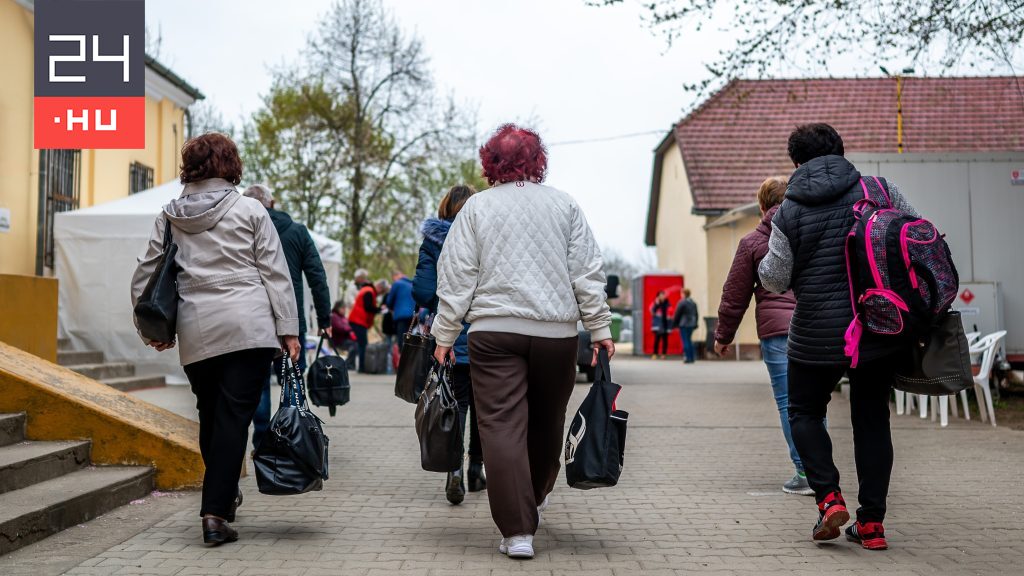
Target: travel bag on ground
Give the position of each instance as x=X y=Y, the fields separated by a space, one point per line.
x=156 y=312
x=376 y=358
x=327 y=379
x=596 y=442
x=437 y=422
x=414 y=363
x=940 y=361
x=292 y=457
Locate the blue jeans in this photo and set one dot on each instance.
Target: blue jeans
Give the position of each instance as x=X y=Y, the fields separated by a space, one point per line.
x=773 y=350
x=261 y=420
x=686 y=333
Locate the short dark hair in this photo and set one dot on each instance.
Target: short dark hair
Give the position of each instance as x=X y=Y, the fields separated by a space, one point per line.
x=810 y=141
x=211 y=155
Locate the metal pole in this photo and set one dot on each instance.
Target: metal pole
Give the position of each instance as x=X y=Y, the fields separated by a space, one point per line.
x=899 y=114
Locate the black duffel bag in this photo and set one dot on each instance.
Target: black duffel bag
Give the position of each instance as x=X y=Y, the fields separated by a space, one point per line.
x=940 y=361
x=437 y=422
x=414 y=364
x=292 y=457
x=327 y=379
x=156 y=312
x=596 y=441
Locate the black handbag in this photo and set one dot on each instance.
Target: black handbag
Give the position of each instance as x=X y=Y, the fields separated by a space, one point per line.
x=414 y=364
x=156 y=312
x=437 y=422
x=596 y=442
x=940 y=361
x=292 y=457
x=327 y=379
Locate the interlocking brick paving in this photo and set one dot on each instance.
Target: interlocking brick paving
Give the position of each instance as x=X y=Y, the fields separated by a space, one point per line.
x=700 y=493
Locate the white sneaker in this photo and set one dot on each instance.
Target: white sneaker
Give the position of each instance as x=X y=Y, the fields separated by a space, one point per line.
x=517 y=546
x=540 y=510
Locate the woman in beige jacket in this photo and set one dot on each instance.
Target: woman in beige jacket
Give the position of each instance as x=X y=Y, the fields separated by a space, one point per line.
x=236 y=310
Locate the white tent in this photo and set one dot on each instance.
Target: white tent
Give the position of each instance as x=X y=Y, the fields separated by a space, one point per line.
x=96 y=251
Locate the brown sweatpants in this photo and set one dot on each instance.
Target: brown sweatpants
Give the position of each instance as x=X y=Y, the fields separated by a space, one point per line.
x=521 y=386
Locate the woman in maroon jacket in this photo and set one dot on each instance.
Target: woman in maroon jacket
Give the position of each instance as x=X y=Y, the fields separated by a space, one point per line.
x=773 y=312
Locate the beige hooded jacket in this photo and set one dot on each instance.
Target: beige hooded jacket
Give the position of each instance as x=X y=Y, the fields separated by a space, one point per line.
x=234 y=288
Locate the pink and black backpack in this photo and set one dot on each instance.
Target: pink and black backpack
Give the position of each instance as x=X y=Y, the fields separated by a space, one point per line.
x=901 y=273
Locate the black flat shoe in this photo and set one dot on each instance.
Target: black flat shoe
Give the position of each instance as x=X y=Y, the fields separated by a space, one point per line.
x=237 y=503
x=455 y=490
x=217 y=531
x=475 y=477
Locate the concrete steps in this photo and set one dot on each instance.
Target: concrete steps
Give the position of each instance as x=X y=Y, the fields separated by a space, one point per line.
x=46 y=487
x=93 y=364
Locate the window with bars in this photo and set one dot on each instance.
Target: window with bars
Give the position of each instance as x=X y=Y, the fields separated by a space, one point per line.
x=140 y=177
x=60 y=174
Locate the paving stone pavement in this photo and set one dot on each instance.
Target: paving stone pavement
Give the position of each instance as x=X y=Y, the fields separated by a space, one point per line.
x=700 y=493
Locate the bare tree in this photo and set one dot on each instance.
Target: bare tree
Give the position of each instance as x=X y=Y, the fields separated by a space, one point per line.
x=948 y=34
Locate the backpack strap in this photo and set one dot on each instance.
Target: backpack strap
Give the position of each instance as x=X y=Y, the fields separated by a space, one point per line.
x=876 y=192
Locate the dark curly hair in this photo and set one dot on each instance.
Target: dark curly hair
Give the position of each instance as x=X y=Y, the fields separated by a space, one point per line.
x=512 y=154
x=211 y=155
x=810 y=141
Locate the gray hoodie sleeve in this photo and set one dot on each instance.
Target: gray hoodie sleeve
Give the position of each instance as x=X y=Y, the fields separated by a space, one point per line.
x=776 y=268
x=899 y=201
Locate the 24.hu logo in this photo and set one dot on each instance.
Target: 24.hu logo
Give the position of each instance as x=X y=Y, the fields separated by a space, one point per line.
x=90 y=89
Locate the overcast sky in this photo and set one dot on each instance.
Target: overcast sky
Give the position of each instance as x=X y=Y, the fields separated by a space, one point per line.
x=582 y=72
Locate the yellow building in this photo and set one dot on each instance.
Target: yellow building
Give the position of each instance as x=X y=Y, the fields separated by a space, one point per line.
x=35 y=184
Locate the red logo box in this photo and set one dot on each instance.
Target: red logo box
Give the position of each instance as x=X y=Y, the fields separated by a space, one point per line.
x=90 y=122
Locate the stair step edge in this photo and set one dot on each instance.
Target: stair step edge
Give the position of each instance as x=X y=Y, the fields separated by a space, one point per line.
x=30 y=462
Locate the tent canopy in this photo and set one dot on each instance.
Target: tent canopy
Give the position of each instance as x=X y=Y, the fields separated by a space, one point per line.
x=96 y=251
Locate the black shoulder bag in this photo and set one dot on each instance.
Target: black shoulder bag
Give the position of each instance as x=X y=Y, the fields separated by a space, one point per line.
x=414 y=362
x=156 y=312
x=327 y=379
x=596 y=440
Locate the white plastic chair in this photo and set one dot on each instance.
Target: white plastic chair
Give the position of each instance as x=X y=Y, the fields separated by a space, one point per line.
x=972 y=337
x=986 y=346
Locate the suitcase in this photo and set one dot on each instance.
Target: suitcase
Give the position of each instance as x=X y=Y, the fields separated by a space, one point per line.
x=376 y=358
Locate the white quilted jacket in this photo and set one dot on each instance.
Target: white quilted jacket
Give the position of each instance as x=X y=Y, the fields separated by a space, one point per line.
x=521 y=258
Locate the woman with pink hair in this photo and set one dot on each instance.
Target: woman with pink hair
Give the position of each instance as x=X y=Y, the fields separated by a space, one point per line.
x=521 y=266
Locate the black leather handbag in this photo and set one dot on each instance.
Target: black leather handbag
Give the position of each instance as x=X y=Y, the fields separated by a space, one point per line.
x=156 y=312
x=414 y=364
x=437 y=422
x=596 y=442
x=327 y=379
x=940 y=361
x=292 y=458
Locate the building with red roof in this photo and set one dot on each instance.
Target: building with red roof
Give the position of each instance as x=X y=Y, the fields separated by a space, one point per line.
x=708 y=167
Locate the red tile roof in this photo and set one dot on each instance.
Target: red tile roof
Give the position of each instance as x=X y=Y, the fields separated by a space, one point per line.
x=737 y=138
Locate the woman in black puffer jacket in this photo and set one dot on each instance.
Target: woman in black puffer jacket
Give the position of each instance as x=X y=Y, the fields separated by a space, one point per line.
x=424 y=291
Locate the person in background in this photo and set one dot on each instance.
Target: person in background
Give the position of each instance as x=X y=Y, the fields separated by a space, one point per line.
x=521 y=265
x=807 y=252
x=236 y=310
x=773 y=312
x=342 y=336
x=401 y=304
x=659 y=324
x=361 y=277
x=686 y=319
x=303 y=259
x=364 y=310
x=424 y=290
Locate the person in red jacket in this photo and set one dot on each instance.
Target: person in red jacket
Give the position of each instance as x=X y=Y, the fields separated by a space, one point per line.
x=773 y=312
x=364 y=310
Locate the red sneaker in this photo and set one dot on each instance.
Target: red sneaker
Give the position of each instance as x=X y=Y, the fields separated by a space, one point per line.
x=871 y=535
x=832 y=515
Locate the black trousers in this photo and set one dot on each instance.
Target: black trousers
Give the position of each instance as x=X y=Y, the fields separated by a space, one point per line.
x=810 y=389
x=227 y=389
x=462 y=385
x=361 y=343
x=661 y=341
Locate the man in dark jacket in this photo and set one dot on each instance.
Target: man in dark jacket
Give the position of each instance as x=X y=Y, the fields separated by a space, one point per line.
x=773 y=312
x=806 y=251
x=303 y=258
x=686 y=319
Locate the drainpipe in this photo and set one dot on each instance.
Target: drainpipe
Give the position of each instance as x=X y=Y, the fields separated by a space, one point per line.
x=899 y=114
